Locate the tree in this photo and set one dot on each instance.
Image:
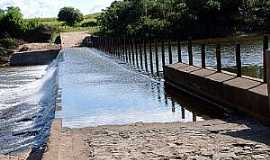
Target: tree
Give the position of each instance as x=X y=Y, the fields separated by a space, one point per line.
x=184 y=18
x=2 y=13
x=12 y=22
x=70 y=15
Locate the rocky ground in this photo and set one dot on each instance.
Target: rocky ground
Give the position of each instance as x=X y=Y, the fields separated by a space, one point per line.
x=211 y=139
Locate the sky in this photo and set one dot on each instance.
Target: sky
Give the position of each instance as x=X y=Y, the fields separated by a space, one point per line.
x=50 y=8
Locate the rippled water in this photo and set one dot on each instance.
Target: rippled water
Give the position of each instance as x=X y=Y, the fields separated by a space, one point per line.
x=27 y=104
x=99 y=90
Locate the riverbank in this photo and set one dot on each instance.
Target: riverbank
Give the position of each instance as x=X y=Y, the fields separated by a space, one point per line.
x=211 y=139
x=28 y=47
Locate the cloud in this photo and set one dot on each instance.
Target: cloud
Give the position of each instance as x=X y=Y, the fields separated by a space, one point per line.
x=50 y=8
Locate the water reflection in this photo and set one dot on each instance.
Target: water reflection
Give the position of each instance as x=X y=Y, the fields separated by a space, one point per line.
x=98 y=90
x=194 y=105
x=251 y=56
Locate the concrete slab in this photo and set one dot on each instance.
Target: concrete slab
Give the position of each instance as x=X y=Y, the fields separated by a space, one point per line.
x=184 y=67
x=203 y=72
x=220 y=77
x=54 y=141
x=261 y=90
x=28 y=58
x=177 y=65
x=242 y=83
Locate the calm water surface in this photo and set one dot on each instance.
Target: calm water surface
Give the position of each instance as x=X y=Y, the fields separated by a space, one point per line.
x=98 y=90
x=251 y=57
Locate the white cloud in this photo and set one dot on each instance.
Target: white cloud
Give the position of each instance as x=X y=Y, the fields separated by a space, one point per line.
x=50 y=8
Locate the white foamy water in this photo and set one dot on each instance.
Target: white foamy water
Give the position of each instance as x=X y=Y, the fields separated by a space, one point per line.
x=27 y=106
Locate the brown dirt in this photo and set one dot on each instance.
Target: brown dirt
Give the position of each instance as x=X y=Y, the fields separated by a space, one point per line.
x=73 y=39
x=37 y=46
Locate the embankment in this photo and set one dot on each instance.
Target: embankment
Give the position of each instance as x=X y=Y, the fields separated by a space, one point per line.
x=27 y=58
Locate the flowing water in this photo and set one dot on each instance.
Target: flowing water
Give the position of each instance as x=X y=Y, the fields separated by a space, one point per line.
x=27 y=104
x=98 y=89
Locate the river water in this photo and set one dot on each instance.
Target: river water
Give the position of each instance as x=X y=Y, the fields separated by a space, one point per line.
x=251 y=56
x=27 y=104
x=97 y=89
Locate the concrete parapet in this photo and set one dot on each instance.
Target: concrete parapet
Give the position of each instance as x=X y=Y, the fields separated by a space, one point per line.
x=240 y=93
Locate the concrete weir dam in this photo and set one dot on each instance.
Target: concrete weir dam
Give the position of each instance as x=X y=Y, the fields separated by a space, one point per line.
x=85 y=87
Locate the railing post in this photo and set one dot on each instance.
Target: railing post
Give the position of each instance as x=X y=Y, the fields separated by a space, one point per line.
x=136 y=51
x=122 y=49
x=190 y=54
x=109 y=45
x=132 y=51
x=163 y=53
x=117 y=47
x=157 y=59
x=151 y=56
x=145 y=55
x=238 y=60
x=203 y=55
x=265 y=48
x=113 y=46
x=267 y=62
x=126 y=52
x=129 y=52
x=170 y=52
x=179 y=51
x=218 y=57
x=141 y=53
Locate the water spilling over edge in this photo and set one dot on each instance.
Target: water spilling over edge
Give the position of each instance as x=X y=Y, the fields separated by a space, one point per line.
x=27 y=111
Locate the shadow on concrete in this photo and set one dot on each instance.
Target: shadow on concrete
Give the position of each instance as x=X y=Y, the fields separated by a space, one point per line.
x=253 y=130
x=35 y=155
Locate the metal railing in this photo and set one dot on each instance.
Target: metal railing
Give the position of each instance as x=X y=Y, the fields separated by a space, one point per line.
x=143 y=53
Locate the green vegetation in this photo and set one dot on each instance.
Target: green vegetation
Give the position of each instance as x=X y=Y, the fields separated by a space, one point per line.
x=62 y=27
x=70 y=16
x=185 y=18
x=14 y=27
x=9 y=43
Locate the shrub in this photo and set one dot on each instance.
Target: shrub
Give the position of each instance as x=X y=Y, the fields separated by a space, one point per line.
x=9 y=43
x=89 y=24
x=70 y=15
x=40 y=33
x=12 y=22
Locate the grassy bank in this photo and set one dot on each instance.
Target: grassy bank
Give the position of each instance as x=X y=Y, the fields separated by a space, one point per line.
x=87 y=25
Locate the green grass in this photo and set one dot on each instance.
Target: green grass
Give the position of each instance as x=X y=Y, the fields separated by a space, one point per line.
x=62 y=27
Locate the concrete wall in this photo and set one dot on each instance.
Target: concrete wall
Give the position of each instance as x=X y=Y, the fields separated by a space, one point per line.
x=28 y=58
x=240 y=93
